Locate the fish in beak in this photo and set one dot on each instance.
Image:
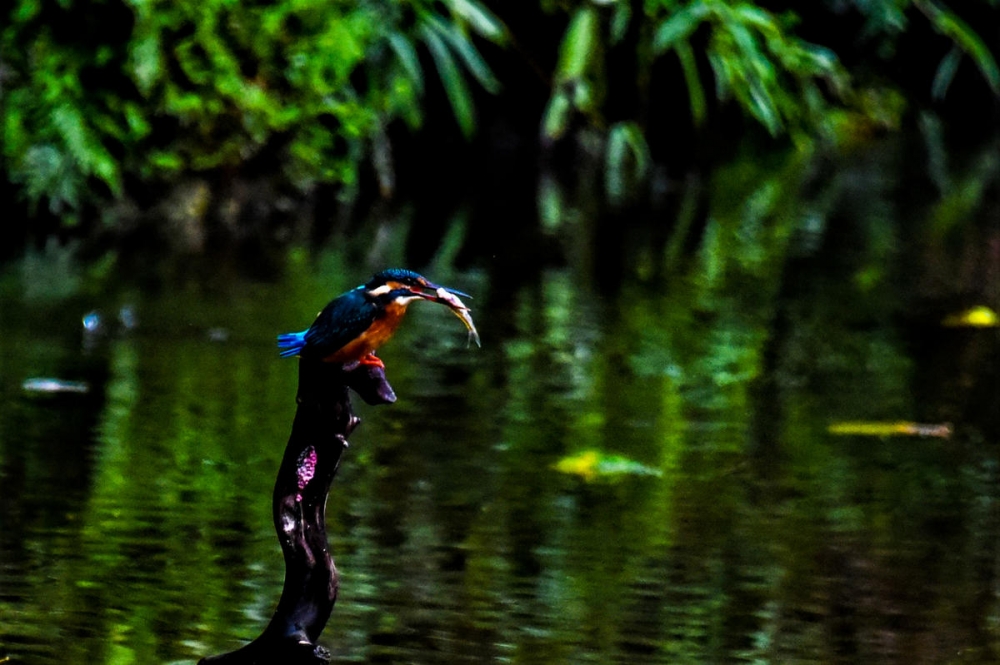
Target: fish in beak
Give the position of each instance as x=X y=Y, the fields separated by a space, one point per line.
x=452 y=299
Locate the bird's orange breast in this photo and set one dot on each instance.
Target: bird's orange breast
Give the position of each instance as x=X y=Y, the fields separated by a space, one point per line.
x=377 y=334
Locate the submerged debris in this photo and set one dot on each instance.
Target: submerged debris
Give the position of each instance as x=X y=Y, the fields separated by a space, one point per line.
x=54 y=386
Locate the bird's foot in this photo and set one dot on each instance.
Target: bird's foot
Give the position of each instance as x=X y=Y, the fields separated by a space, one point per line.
x=371 y=360
x=368 y=360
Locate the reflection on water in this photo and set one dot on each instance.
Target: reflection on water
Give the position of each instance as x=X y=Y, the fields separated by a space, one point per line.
x=135 y=523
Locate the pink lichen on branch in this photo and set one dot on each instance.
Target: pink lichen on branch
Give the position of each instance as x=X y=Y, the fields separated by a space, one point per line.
x=306 y=469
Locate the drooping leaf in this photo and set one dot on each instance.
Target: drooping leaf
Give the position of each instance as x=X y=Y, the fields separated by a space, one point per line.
x=723 y=75
x=752 y=15
x=950 y=25
x=452 y=80
x=696 y=92
x=407 y=55
x=620 y=19
x=679 y=26
x=579 y=45
x=147 y=66
x=465 y=49
x=480 y=19
x=625 y=143
x=555 y=120
x=945 y=73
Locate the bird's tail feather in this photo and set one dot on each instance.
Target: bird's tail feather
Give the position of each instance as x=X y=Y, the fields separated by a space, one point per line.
x=291 y=343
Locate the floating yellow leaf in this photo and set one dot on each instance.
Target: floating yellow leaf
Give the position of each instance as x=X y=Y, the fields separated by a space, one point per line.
x=889 y=428
x=977 y=317
x=583 y=464
x=591 y=464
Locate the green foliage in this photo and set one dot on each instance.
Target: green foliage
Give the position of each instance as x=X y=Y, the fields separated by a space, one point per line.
x=781 y=81
x=577 y=75
x=888 y=17
x=53 y=126
x=774 y=77
x=210 y=84
x=966 y=41
x=750 y=56
x=98 y=96
x=627 y=160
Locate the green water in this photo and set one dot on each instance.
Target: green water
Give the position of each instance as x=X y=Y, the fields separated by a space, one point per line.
x=700 y=358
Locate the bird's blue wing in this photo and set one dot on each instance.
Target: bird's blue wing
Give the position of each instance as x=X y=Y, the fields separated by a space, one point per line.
x=343 y=320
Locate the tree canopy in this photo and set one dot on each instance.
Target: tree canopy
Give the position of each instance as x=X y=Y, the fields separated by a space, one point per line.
x=101 y=99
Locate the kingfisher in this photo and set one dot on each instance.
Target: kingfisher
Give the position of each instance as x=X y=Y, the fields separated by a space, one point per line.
x=356 y=323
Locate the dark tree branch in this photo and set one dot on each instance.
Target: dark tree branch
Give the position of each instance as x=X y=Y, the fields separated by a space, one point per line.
x=323 y=421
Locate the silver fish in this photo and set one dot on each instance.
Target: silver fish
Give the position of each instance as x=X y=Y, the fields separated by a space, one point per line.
x=459 y=309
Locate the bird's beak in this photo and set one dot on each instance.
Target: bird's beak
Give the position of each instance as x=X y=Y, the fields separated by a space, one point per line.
x=436 y=288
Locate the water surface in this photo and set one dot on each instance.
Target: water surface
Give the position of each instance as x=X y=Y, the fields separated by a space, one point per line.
x=637 y=467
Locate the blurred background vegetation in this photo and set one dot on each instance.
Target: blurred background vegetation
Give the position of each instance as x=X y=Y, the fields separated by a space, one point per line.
x=230 y=117
x=726 y=407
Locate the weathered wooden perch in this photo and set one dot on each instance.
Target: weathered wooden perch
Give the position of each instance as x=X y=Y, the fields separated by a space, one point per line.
x=323 y=421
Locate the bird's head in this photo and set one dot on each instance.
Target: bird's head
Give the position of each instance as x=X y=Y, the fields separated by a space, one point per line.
x=405 y=286
x=400 y=287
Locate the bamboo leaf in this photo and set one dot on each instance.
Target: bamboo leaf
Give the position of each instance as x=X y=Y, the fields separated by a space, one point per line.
x=678 y=27
x=408 y=58
x=146 y=64
x=763 y=107
x=759 y=18
x=950 y=25
x=755 y=73
x=946 y=72
x=696 y=92
x=625 y=139
x=465 y=49
x=555 y=122
x=452 y=80
x=620 y=20
x=824 y=63
x=723 y=75
x=480 y=19
x=578 y=46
